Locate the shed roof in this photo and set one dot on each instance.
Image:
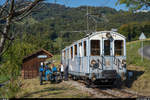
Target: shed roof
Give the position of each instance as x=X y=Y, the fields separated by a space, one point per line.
x=33 y=54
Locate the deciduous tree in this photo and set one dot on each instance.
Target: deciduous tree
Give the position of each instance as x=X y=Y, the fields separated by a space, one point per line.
x=12 y=11
x=135 y=4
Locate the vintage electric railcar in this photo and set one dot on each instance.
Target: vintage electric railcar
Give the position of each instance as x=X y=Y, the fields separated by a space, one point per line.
x=100 y=57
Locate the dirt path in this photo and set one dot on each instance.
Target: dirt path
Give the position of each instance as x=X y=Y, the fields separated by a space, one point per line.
x=31 y=88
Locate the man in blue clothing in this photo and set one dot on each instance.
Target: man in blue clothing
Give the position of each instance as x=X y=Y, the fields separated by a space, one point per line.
x=48 y=72
x=54 y=71
x=41 y=70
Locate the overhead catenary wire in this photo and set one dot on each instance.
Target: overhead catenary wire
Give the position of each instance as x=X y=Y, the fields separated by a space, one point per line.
x=89 y=17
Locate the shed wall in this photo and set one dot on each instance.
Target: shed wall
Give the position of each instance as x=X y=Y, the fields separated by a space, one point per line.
x=30 y=67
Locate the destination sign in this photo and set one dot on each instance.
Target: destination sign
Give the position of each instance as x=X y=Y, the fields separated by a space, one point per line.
x=42 y=56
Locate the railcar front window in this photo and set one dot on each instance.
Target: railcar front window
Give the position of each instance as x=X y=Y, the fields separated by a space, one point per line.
x=95 y=47
x=75 y=49
x=118 y=47
x=107 y=47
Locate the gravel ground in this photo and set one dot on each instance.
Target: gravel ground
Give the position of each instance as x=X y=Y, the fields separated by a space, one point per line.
x=93 y=92
x=98 y=94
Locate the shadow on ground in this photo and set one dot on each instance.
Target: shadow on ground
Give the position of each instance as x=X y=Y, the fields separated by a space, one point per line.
x=127 y=83
x=130 y=80
x=52 y=90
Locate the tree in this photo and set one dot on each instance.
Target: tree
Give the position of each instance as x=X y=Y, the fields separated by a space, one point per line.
x=12 y=11
x=133 y=30
x=135 y=4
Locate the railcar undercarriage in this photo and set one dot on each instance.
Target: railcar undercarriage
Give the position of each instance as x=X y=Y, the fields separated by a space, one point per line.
x=100 y=82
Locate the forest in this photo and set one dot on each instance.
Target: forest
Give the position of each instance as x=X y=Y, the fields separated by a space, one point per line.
x=53 y=24
x=50 y=28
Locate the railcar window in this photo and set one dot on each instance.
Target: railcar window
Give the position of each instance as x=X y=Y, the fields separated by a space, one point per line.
x=75 y=49
x=118 y=47
x=68 y=54
x=71 y=52
x=95 y=47
x=107 y=47
x=80 y=47
x=84 y=48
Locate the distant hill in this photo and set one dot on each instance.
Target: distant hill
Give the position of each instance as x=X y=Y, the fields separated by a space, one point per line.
x=115 y=18
x=52 y=19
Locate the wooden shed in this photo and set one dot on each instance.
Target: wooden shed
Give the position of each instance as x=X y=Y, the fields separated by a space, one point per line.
x=31 y=63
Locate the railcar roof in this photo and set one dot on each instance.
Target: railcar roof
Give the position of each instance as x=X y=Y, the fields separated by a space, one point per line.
x=95 y=33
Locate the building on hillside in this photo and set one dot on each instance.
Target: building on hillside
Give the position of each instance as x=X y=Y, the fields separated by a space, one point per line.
x=31 y=63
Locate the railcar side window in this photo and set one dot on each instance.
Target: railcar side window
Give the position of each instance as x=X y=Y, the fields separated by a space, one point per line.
x=80 y=48
x=71 y=52
x=107 y=47
x=75 y=49
x=95 y=47
x=118 y=47
x=68 y=54
x=84 y=48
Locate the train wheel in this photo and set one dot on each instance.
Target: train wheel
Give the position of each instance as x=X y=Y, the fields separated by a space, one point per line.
x=88 y=83
x=117 y=83
x=74 y=78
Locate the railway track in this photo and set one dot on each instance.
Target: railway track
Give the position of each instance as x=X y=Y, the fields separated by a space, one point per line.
x=117 y=93
x=114 y=92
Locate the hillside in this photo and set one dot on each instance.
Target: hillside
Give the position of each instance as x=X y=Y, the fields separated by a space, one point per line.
x=141 y=69
x=51 y=25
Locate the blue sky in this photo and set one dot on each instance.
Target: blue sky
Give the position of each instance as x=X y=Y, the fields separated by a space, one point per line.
x=77 y=3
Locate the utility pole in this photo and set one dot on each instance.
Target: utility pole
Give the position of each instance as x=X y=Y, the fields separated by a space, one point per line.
x=87 y=14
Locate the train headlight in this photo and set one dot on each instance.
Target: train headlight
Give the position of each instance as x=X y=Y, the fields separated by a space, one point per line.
x=108 y=35
x=124 y=63
x=93 y=62
x=93 y=78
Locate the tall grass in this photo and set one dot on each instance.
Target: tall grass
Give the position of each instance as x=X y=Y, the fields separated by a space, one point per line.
x=133 y=56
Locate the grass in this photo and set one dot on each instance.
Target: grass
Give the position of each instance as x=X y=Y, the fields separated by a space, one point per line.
x=133 y=56
x=10 y=89
x=3 y=78
x=141 y=81
x=31 y=88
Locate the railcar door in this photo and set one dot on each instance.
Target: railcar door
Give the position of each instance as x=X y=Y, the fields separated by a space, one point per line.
x=107 y=57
